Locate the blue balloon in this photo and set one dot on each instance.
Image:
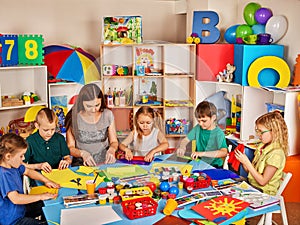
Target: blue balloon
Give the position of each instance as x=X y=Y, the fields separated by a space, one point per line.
x=258 y=29
x=230 y=34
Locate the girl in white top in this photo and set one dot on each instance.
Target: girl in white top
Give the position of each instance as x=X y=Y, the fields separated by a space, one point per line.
x=147 y=138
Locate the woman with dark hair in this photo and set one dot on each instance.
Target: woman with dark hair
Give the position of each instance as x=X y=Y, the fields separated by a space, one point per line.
x=91 y=133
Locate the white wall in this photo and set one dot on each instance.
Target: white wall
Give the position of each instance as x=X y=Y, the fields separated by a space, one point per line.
x=79 y=22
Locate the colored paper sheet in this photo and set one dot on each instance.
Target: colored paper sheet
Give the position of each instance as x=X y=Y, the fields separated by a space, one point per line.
x=69 y=179
x=219 y=174
x=220 y=209
x=125 y=171
x=42 y=189
x=86 y=169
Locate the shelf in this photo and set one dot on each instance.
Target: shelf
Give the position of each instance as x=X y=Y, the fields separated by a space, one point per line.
x=176 y=82
x=23 y=106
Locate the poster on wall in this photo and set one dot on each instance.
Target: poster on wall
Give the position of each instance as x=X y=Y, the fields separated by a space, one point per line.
x=122 y=30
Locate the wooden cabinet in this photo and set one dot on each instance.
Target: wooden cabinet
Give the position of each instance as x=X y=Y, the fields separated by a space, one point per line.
x=14 y=81
x=161 y=75
x=253 y=102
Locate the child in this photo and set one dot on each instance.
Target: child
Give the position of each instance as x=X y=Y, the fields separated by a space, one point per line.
x=265 y=171
x=46 y=148
x=147 y=138
x=210 y=139
x=12 y=198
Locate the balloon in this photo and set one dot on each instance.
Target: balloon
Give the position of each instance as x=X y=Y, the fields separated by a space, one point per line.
x=277 y=27
x=230 y=34
x=262 y=15
x=243 y=30
x=258 y=29
x=249 y=12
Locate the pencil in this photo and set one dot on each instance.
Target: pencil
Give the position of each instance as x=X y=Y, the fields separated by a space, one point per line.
x=96 y=177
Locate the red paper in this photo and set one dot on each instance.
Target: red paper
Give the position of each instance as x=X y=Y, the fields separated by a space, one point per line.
x=220 y=209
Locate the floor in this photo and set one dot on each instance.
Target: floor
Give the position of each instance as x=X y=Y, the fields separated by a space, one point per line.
x=293 y=213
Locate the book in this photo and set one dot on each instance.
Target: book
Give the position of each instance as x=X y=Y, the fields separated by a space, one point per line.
x=78 y=200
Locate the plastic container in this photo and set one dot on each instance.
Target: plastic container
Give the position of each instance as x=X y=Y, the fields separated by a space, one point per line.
x=134 y=193
x=148 y=208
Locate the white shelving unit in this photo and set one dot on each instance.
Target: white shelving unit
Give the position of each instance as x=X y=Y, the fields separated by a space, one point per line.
x=174 y=67
x=14 y=81
x=253 y=105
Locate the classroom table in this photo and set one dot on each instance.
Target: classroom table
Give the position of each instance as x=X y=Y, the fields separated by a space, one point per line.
x=52 y=208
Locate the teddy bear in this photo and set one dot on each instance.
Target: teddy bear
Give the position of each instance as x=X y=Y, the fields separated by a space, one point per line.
x=227 y=74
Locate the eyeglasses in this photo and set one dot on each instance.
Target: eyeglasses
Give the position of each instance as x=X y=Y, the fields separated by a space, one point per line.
x=259 y=132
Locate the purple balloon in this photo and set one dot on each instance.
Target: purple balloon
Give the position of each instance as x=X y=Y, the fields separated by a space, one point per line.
x=262 y=15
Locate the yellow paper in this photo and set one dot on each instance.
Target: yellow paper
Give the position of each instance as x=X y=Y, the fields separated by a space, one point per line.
x=64 y=177
x=42 y=189
x=125 y=171
x=86 y=169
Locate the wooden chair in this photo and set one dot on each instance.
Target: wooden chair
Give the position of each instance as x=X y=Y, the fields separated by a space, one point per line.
x=266 y=219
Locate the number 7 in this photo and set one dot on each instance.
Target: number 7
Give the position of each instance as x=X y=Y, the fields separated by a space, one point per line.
x=11 y=44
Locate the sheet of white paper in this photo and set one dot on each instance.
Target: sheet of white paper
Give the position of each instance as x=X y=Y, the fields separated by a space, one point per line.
x=94 y=215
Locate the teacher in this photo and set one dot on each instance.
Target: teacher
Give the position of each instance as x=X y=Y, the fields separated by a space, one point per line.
x=91 y=133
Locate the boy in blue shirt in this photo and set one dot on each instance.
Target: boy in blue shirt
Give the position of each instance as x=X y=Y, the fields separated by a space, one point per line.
x=47 y=149
x=210 y=140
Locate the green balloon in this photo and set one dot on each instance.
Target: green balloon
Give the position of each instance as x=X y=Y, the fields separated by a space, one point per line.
x=249 y=12
x=243 y=31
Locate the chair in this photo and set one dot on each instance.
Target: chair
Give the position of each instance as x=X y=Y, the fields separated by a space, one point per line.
x=225 y=164
x=267 y=218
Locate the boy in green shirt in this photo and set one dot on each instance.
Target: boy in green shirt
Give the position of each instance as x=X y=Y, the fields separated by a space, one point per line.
x=47 y=149
x=210 y=140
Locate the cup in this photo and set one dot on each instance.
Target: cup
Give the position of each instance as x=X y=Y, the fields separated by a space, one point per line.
x=239 y=40
x=170 y=206
x=90 y=186
x=250 y=39
x=264 y=39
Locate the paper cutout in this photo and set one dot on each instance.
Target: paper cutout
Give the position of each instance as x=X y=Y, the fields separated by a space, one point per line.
x=220 y=209
x=69 y=179
x=42 y=189
x=94 y=215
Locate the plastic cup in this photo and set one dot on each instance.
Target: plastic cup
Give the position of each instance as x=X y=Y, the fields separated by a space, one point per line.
x=90 y=186
x=171 y=205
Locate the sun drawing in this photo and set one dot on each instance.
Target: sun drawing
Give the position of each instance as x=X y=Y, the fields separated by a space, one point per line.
x=224 y=207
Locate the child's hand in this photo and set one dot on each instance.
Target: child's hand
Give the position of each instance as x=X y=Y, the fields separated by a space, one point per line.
x=110 y=156
x=128 y=154
x=241 y=157
x=149 y=157
x=47 y=196
x=196 y=155
x=45 y=167
x=180 y=152
x=63 y=164
x=51 y=184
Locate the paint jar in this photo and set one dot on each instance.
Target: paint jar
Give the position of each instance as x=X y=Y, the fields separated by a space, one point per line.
x=102 y=199
x=180 y=185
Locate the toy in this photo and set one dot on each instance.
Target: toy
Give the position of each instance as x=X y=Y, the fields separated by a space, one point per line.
x=193 y=39
x=164 y=186
x=227 y=74
x=109 y=69
x=174 y=190
x=29 y=97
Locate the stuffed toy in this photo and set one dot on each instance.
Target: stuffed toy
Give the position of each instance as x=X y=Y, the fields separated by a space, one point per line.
x=227 y=74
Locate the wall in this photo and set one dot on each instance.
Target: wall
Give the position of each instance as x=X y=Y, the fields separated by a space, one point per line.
x=79 y=22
